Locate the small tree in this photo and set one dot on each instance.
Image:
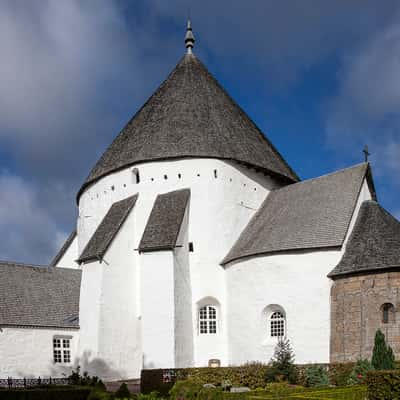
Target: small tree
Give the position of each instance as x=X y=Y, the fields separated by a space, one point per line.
x=123 y=392
x=282 y=364
x=382 y=355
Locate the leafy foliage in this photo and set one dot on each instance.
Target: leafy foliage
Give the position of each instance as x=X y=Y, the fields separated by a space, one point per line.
x=316 y=376
x=382 y=355
x=282 y=364
x=359 y=373
x=383 y=385
x=45 y=394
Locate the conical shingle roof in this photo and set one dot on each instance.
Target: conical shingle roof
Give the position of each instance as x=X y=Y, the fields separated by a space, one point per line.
x=374 y=244
x=191 y=115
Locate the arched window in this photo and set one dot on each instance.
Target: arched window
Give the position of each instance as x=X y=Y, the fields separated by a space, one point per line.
x=208 y=320
x=277 y=324
x=387 y=313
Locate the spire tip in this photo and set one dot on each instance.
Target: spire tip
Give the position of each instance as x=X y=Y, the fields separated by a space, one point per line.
x=189 y=37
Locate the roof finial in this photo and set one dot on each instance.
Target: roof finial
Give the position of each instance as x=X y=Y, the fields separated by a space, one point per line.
x=189 y=38
x=366 y=153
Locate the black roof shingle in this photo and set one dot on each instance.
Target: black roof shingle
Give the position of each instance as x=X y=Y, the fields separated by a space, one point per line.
x=39 y=296
x=163 y=226
x=191 y=115
x=315 y=213
x=374 y=243
x=107 y=230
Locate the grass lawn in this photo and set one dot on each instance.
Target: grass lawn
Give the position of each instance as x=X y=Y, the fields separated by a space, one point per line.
x=341 y=393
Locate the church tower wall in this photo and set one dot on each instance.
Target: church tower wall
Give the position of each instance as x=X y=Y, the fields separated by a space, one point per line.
x=357 y=312
x=224 y=196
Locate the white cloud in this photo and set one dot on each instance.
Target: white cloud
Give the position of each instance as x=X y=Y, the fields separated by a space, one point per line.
x=29 y=233
x=367 y=106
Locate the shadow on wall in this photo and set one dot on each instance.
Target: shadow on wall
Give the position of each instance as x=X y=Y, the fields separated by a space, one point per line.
x=93 y=366
x=147 y=364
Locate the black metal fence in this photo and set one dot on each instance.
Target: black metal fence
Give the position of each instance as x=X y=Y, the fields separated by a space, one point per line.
x=31 y=382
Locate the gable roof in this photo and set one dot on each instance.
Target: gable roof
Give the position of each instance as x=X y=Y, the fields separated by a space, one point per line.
x=315 y=213
x=107 y=230
x=39 y=296
x=191 y=115
x=163 y=226
x=374 y=243
x=63 y=249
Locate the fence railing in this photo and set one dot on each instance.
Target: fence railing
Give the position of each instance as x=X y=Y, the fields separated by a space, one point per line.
x=31 y=382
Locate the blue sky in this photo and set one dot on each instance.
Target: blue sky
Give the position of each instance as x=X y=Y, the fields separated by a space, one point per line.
x=321 y=79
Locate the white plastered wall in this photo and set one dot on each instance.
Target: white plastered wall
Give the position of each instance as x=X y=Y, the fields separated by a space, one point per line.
x=110 y=343
x=28 y=352
x=68 y=259
x=224 y=196
x=298 y=283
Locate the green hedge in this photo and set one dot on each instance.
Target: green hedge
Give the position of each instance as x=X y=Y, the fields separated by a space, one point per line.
x=383 y=385
x=45 y=394
x=251 y=375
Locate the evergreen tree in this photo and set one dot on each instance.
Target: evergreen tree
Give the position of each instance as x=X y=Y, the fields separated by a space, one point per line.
x=382 y=355
x=282 y=364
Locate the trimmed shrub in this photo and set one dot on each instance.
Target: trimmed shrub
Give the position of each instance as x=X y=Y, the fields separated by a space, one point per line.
x=186 y=390
x=359 y=373
x=383 y=385
x=382 y=355
x=46 y=394
x=339 y=374
x=316 y=376
x=123 y=392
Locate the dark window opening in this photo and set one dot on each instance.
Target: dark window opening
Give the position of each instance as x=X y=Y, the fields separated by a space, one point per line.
x=179 y=176
x=215 y=173
x=191 y=248
x=135 y=172
x=165 y=177
x=387 y=313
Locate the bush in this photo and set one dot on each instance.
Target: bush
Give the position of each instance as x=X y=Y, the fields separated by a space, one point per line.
x=316 y=376
x=382 y=355
x=186 y=390
x=339 y=374
x=359 y=373
x=45 y=394
x=282 y=364
x=99 y=395
x=123 y=392
x=383 y=385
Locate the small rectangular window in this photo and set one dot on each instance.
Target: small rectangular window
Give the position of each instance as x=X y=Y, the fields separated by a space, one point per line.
x=191 y=247
x=61 y=350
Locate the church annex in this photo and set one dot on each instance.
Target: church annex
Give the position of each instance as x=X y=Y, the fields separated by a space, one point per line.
x=196 y=240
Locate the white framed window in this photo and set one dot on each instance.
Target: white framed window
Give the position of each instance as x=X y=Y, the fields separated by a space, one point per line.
x=277 y=325
x=61 y=350
x=208 y=320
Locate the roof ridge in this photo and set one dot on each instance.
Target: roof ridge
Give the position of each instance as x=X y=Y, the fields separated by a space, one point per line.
x=10 y=263
x=321 y=176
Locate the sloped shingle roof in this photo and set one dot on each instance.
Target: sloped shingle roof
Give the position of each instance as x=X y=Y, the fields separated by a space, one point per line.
x=107 y=230
x=39 y=296
x=63 y=249
x=191 y=115
x=163 y=226
x=310 y=214
x=374 y=243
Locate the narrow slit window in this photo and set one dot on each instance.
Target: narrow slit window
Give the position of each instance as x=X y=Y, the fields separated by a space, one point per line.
x=215 y=174
x=136 y=175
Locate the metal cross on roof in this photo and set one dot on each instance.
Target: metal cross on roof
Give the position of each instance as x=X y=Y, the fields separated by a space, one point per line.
x=366 y=153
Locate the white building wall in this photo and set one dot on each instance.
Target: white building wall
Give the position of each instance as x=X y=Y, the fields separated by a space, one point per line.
x=68 y=259
x=296 y=282
x=111 y=284
x=28 y=352
x=157 y=312
x=224 y=196
x=184 y=346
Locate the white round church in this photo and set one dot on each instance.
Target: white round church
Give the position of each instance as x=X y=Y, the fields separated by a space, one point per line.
x=196 y=241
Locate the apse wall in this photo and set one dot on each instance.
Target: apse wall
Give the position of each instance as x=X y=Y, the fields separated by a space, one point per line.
x=295 y=284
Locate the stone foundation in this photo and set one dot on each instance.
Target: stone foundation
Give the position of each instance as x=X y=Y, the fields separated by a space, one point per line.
x=356 y=314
